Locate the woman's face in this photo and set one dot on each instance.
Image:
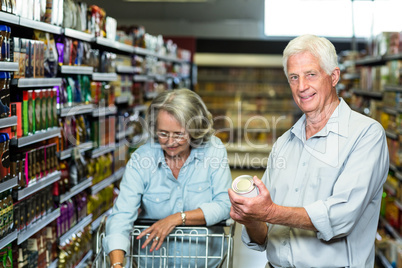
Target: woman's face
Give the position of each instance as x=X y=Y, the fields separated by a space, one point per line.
x=172 y=136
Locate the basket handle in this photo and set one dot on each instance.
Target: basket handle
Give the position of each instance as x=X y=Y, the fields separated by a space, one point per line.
x=227 y=222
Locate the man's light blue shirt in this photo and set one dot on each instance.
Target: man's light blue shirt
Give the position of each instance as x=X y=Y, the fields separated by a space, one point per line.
x=148 y=183
x=337 y=176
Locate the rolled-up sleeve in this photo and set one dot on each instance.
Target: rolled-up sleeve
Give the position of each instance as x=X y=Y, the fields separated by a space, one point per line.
x=359 y=183
x=219 y=208
x=245 y=238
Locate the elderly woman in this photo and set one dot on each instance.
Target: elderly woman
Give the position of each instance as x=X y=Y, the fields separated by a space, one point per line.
x=179 y=177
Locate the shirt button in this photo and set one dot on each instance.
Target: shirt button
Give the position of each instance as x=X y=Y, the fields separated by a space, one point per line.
x=284 y=243
x=179 y=203
x=199 y=188
x=297 y=189
x=304 y=164
x=157 y=200
x=178 y=187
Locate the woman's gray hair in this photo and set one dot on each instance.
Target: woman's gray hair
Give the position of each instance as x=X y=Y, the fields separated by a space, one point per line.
x=319 y=47
x=188 y=109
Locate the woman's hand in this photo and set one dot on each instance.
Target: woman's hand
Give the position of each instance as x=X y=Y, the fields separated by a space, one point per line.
x=159 y=230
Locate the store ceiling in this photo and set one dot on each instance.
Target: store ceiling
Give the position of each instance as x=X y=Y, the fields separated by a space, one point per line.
x=211 y=19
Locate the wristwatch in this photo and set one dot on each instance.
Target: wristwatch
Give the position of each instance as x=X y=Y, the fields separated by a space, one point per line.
x=183 y=217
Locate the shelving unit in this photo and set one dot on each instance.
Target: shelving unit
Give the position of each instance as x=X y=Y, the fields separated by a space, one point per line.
x=37 y=137
x=378 y=103
x=8 y=121
x=251 y=106
x=38 y=225
x=39 y=185
x=77 y=227
x=92 y=111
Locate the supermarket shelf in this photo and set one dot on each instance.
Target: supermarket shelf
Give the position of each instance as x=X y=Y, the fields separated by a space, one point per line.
x=107 y=77
x=46 y=27
x=121 y=99
x=104 y=111
x=75 y=110
x=398 y=175
x=36 y=82
x=83 y=261
x=143 y=51
x=391 y=135
x=370 y=94
x=114 y=44
x=76 y=190
x=384 y=261
x=9 y=18
x=76 y=228
x=140 y=108
x=38 y=225
x=393 y=88
x=86 y=70
x=370 y=60
x=79 y=35
x=121 y=135
x=83 y=147
x=350 y=76
x=8 y=122
x=11 y=237
x=391 y=230
x=146 y=52
x=97 y=222
x=102 y=150
x=8 y=66
x=151 y=95
x=390 y=110
x=127 y=69
x=39 y=185
x=397 y=56
x=108 y=181
x=388 y=188
x=37 y=137
x=4 y=186
x=141 y=78
x=247 y=157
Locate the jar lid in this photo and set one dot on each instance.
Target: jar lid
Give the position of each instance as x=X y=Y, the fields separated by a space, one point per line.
x=243 y=184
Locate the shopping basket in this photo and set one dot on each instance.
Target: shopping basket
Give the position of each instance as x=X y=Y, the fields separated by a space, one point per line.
x=185 y=246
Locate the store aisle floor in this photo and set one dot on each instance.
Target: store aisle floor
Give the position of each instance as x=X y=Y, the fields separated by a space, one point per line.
x=242 y=256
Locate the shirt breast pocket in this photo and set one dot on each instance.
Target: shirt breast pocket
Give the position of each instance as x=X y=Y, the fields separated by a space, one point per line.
x=156 y=203
x=198 y=193
x=321 y=183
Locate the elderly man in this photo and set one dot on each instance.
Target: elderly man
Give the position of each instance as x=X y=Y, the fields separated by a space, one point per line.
x=320 y=206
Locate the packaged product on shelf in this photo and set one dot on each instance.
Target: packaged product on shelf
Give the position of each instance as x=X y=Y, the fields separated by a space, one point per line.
x=3 y=149
x=6 y=258
x=22 y=58
x=3 y=42
x=16 y=55
x=23 y=215
x=4 y=96
x=77 y=167
x=48 y=54
x=28 y=59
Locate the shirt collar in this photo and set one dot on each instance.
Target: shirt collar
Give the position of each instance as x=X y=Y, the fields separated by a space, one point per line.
x=338 y=123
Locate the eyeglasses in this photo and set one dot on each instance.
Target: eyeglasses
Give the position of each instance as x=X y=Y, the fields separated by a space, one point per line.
x=175 y=136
